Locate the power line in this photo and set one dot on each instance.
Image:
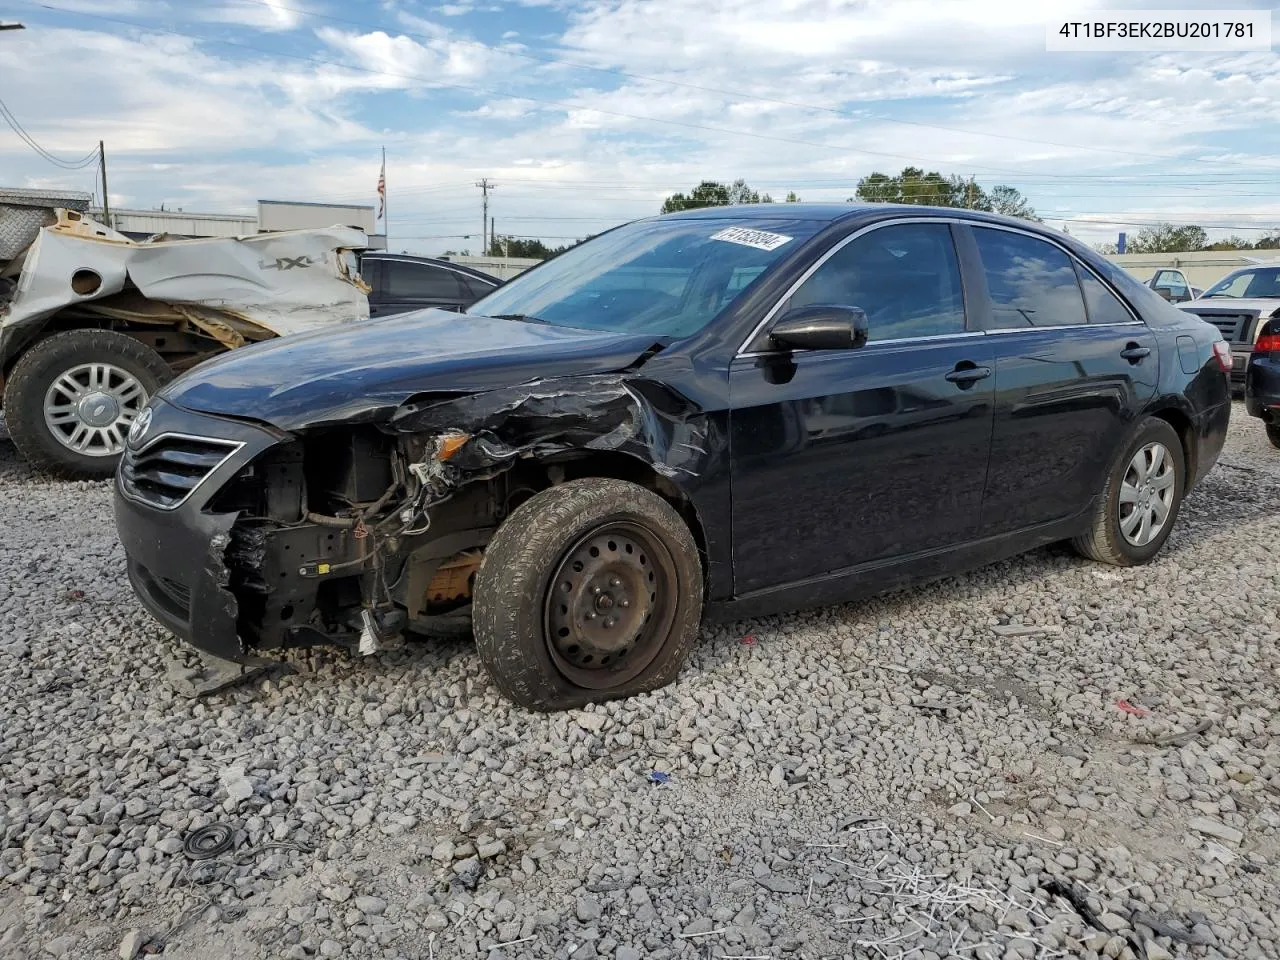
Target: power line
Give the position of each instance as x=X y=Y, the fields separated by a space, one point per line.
x=30 y=141
x=738 y=95
x=563 y=104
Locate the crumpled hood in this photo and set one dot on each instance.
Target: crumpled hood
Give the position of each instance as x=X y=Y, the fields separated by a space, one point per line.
x=363 y=371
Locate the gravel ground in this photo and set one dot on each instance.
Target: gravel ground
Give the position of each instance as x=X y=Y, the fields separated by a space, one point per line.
x=950 y=771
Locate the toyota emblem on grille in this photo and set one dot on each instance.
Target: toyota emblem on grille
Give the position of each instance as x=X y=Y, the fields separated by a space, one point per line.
x=140 y=426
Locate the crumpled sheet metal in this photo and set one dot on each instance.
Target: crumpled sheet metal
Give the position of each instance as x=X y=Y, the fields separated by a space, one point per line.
x=280 y=283
x=545 y=417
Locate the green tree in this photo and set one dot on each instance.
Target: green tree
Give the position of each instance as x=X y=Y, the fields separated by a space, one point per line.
x=709 y=193
x=1270 y=242
x=792 y=197
x=1169 y=238
x=1106 y=249
x=914 y=185
x=501 y=246
x=1010 y=202
x=706 y=194
x=1230 y=243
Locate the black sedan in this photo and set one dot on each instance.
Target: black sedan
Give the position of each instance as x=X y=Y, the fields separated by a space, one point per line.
x=729 y=411
x=400 y=283
x=1262 y=380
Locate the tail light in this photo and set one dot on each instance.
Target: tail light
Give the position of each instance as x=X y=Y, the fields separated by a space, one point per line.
x=1222 y=353
x=1267 y=343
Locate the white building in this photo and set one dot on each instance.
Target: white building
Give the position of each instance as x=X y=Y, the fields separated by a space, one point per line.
x=272 y=215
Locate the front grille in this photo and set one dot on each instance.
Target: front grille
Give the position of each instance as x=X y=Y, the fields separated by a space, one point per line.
x=166 y=471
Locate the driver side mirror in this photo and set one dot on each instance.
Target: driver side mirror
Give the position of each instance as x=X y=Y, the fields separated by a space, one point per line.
x=821 y=326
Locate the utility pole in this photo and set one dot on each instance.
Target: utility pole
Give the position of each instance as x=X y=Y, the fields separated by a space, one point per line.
x=102 y=165
x=485 y=186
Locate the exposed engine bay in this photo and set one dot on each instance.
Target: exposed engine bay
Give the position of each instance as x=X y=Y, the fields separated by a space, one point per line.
x=355 y=534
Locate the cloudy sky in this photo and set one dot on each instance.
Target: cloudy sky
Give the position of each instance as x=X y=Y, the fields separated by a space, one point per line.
x=586 y=113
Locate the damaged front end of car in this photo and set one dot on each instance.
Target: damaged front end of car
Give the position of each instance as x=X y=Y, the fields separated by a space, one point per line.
x=354 y=533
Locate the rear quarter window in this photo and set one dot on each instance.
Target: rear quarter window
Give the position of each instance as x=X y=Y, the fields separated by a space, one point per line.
x=1103 y=305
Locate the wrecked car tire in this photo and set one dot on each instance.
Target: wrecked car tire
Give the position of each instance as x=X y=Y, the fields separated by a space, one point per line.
x=69 y=402
x=1139 y=503
x=590 y=591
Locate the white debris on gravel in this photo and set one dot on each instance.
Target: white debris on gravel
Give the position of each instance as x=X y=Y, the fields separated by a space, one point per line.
x=940 y=773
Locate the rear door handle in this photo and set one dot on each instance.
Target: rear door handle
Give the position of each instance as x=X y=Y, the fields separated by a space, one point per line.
x=966 y=374
x=1134 y=353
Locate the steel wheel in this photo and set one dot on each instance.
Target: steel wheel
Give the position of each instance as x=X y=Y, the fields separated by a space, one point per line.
x=1146 y=494
x=609 y=605
x=89 y=408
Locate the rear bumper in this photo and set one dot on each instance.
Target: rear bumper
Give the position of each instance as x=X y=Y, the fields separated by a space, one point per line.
x=1211 y=435
x=1262 y=389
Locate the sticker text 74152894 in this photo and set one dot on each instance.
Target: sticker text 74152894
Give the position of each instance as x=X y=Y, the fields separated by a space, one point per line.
x=760 y=239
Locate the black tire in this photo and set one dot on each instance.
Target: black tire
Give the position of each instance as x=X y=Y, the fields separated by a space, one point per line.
x=1273 y=434
x=447 y=625
x=511 y=615
x=1104 y=541
x=40 y=366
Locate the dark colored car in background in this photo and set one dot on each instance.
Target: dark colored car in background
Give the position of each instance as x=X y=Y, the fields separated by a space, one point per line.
x=729 y=410
x=1262 y=380
x=401 y=282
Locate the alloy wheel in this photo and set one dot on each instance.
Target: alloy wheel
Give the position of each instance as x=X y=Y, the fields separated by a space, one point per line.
x=90 y=407
x=1146 y=494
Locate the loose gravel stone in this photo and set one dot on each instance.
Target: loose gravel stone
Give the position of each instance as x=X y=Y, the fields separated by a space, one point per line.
x=959 y=741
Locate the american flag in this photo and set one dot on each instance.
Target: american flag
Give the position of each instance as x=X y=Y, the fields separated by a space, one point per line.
x=382 y=188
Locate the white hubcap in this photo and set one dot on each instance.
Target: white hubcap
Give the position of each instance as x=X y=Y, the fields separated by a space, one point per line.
x=89 y=408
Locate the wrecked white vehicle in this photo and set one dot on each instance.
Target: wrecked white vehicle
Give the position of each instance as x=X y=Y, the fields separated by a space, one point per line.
x=93 y=323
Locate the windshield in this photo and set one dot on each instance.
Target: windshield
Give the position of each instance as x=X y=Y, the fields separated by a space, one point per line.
x=1261 y=283
x=668 y=278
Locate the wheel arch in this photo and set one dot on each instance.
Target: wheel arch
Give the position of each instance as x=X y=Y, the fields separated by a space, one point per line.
x=616 y=465
x=181 y=350
x=1179 y=416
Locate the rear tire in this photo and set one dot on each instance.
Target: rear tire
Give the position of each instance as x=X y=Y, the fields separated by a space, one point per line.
x=1273 y=434
x=590 y=591
x=124 y=372
x=1138 y=505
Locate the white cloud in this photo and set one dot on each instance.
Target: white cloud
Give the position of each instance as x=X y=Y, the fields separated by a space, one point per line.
x=406 y=62
x=189 y=124
x=271 y=15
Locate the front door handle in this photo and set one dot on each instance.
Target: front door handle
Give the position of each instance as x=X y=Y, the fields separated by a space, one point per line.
x=1135 y=353
x=967 y=373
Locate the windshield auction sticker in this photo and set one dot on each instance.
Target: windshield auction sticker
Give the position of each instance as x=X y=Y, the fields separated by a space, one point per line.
x=1142 y=30
x=760 y=239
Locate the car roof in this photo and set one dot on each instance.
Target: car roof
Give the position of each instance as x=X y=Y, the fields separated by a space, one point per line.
x=834 y=212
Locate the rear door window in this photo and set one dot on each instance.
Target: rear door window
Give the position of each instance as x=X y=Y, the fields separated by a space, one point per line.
x=1031 y=282
x=420 y=281
x=905 y=277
